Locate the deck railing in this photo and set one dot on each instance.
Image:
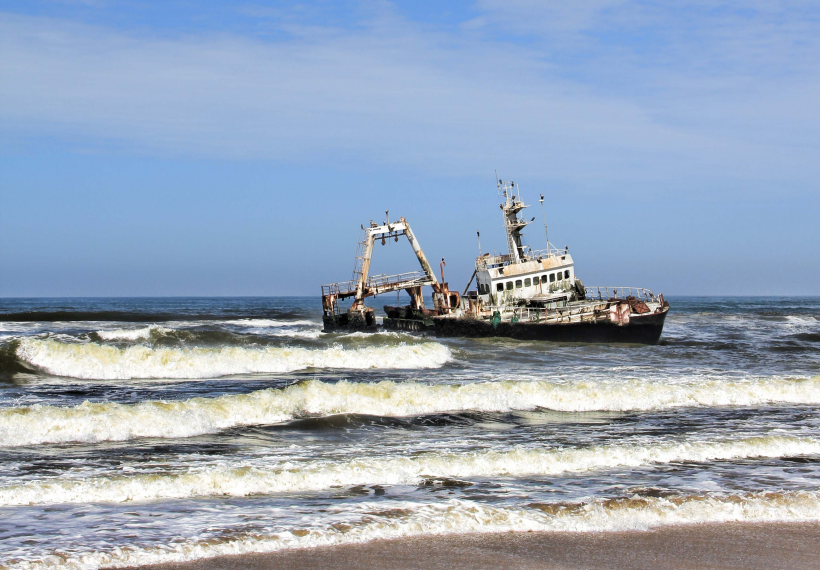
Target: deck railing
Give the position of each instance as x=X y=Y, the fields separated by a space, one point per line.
x=604 y=293
x=529 y=255
x=408 y=279
x=343 y=287
x=558 y=309
x=535 y=314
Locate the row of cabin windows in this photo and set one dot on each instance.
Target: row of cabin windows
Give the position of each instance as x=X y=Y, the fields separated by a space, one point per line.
x=528 y=282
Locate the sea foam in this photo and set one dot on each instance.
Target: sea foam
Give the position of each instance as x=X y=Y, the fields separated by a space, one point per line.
x=143 y=333
x=104 y=362
x=458 y=516
x=263 y=323
x=249 y=478
x=91 y=422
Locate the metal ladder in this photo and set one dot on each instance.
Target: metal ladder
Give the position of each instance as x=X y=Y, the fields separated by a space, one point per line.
x=359 y=261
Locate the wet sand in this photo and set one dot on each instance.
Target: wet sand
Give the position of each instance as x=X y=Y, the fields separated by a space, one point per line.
x=732 y=545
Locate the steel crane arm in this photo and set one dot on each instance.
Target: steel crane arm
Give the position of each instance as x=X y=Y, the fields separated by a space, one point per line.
x=383 y=232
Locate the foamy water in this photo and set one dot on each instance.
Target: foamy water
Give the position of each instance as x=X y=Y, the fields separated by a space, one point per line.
x=131 y=334
x=89 y=422
x=245 y=479
x=263 y=323
x=104 y=362
x=158 y=430
x=457 y=516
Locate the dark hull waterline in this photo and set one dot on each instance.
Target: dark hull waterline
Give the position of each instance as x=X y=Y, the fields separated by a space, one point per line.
x=642 y=329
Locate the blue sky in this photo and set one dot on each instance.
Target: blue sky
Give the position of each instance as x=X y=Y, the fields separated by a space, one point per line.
x=216 y=148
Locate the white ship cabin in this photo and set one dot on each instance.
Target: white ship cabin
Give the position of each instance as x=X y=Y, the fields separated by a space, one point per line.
x=546 y=276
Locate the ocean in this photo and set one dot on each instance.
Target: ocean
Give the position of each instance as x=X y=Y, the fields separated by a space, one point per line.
x=136 y=431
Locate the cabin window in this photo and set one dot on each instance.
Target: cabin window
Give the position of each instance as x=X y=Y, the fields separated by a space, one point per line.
x=509 y=285
x=527 y=282
x=566 y=274
x=552 y=277
x=499 y=287
x=518 y=284
x=544 y=278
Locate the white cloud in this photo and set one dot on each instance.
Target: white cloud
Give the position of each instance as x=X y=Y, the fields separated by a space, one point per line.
x=396 y=93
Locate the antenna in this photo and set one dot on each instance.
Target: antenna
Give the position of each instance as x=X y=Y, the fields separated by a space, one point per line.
x=499 y=185
x=546 y=233
x=478 y=235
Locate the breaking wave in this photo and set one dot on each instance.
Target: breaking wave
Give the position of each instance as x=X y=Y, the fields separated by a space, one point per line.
x=372 y=521
x=97 y=361
x=132 y=334
x=297 y=333
x=109 y=421
x=263 y=323
x=254 y=479
x=157 y=333
x=138 y=316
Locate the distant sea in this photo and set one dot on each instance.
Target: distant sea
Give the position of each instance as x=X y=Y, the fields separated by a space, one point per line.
x=138 y=431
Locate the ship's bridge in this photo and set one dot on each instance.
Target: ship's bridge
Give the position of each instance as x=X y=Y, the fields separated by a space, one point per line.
x=532 y=277
x=523 y=273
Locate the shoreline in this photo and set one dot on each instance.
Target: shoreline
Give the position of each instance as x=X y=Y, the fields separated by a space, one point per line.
x=740 y=545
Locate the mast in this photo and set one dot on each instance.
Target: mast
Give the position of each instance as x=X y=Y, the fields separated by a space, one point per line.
x=546 y=231
x=512 y=223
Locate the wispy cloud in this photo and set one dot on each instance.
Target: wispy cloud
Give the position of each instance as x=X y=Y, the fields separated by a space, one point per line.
x=557 y=94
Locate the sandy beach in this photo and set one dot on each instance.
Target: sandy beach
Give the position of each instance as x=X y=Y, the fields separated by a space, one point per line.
x=733 y=545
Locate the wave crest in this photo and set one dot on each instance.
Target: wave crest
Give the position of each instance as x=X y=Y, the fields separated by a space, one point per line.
x=371 y=522
x=254 y=479
x=91 y=422
x=143 y=333
x=102 y=362
x=265 y=323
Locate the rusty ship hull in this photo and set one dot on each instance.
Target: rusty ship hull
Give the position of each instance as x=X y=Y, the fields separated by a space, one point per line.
x=642 y=329
x=626 y=320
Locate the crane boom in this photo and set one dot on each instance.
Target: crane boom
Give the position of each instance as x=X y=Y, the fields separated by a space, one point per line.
x=364 y=285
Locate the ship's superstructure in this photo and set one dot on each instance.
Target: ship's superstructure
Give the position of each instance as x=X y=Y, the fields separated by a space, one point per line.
x=546 y=275
x=525 y=293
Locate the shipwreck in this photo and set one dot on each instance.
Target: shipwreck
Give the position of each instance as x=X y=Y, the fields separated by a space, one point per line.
x=524 y=294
